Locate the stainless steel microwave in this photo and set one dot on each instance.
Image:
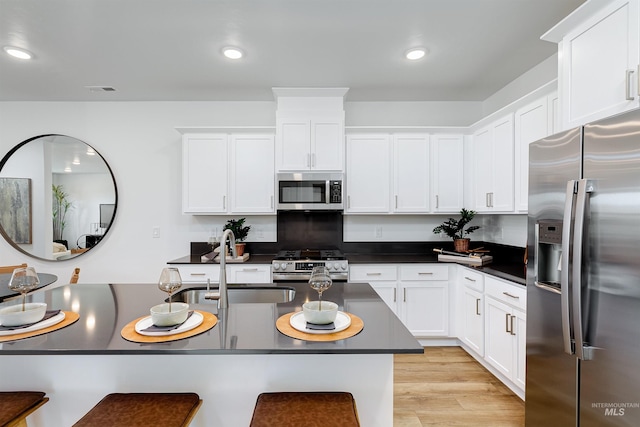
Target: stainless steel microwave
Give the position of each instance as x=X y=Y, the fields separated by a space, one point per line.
x=310 y=191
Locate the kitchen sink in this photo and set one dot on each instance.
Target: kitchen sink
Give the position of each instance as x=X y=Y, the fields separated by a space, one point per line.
x=238 y=295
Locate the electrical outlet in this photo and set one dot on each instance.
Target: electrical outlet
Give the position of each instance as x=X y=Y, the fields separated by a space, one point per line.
x=155 y=232
x=378 y=232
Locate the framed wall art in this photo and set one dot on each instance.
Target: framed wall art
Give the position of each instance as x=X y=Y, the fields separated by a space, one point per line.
x=15 y=193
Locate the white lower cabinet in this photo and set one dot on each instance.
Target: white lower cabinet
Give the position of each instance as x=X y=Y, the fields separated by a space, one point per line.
x=197 y=274
x=417 y=293
x=505 y=329
x=472 y=317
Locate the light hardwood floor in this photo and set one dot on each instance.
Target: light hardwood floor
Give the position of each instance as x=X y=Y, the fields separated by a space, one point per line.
x=447 y=387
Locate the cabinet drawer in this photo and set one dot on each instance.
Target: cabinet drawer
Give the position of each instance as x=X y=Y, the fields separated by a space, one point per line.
x=507 y=292
x=372 y=273
x=472 y=279
x=255 y=273
x=199 y=274
x=424 y=272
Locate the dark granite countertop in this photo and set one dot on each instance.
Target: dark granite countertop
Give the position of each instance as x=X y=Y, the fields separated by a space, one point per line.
x=242 y=329
x=195 y=259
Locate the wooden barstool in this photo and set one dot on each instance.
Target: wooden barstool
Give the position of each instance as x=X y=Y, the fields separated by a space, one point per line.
x=309 y=409
x=142 y=410
x=15 y=406
x=7 y=269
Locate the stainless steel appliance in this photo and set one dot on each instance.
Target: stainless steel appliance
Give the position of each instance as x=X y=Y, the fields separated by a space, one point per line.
x=310 y=191
x=583 y=276
x=296 y=265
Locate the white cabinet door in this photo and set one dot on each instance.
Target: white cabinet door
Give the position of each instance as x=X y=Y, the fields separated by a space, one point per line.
x=368 y=173
x=531 y=124
x=252 y=174
x=310 y=144
x=493 y=166
x=411 y=173
x=447 y=173
x=473 y=320
x=293 y=145
x=499 y=343
x=424 y=308
x=388 y=292
x=327 y=144
x=599 y=69
x=204 y=173
x=600 y=64
x=520 y=354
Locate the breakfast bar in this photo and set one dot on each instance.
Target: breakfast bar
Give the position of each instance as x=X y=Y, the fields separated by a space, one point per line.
x=229 y=364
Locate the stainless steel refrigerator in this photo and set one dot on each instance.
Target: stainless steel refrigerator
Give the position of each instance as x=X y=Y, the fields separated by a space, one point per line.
x=583 y=276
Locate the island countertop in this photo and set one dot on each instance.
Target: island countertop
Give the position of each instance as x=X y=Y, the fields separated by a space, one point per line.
x=243 y=329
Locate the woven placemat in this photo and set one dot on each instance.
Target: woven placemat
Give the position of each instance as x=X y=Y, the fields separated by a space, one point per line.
x=284 y=326
x=129 y=331
x=69 y=318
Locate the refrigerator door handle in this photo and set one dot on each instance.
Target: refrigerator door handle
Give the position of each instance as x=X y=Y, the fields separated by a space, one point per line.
x=565 y=267
x=584 y=188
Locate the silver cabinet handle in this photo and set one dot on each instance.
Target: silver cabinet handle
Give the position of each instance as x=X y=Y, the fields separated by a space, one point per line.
x=512 y=330
x=271 y=202
x=197 y=274
x=394 y=294
x=486 y=202
x=491 y=199
x=224 y=202
x=249 y=269
x=404 y=294
x=423 y=273
x=437 y=201
x=506 y=323
x=348 y=202
x=396 y=201
x=478 y=306
x=374 y=274
x=469 y=279
x=627 y=86
x=511 y=295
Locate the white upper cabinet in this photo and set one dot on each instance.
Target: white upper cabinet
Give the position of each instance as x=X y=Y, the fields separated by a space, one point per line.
x=599 y=47
x=228 y=174
x=493 y=169
x=368 y=173
x=252 y=174
x=411 y=173
x=204 y=173
x=388 y=173
x=532 y=122
x=310 y=144
x=447 y=173
x=310 y=129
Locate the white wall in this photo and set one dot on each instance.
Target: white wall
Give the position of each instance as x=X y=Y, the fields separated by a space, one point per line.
x=139 y=141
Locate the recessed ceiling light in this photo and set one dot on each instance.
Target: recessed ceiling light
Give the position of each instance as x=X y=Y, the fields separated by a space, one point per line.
x=232 y=52
x=16 y=52
x=415 y=53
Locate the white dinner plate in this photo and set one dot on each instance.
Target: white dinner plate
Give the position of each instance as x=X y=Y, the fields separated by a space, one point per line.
x=37 y=326
x=342 y=322
x=192 y=322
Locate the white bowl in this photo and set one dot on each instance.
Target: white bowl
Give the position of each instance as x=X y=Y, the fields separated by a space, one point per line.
x=14 y=316
x=160 y=315
x=326 y=315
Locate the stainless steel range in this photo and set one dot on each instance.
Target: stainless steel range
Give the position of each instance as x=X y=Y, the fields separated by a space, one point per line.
x=296 y=265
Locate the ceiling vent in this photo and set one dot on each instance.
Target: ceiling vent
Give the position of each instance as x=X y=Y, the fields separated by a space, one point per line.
x=100 y=88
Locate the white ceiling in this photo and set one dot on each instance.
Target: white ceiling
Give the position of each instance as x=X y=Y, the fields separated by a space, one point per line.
x=170 y=49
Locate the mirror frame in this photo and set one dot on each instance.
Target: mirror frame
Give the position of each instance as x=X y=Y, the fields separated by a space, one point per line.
x=6 y=158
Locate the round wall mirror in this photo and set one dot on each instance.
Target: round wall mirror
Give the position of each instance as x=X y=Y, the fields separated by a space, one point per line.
x=58 y=197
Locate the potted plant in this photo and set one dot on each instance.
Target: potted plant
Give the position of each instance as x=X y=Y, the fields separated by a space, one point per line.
x=60 y=207
x=240 y=231
x=455 y=228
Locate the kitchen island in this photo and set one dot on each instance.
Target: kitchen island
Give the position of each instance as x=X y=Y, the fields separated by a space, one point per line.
x=242 y=356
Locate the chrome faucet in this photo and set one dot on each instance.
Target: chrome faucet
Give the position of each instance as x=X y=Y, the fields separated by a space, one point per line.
x=223 y=300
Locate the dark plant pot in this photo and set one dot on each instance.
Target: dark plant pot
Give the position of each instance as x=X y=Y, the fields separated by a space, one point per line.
x=461 y=245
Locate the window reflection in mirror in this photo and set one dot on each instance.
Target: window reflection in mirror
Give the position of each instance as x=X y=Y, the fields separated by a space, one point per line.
x=54 y=192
